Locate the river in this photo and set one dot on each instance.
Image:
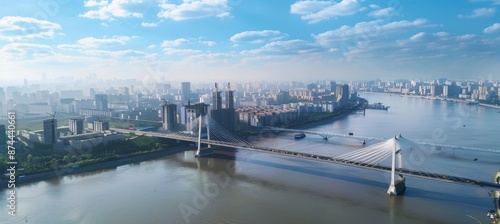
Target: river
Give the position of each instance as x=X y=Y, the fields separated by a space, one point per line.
x=263 y=188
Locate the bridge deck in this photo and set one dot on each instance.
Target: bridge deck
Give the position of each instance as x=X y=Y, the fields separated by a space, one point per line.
x=309 y=156
x=330 y=134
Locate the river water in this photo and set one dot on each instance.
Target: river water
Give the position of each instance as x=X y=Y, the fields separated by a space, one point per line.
x=262 y=188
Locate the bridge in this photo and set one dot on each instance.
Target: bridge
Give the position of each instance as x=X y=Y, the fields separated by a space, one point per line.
x=327 y=135
x=388 y=155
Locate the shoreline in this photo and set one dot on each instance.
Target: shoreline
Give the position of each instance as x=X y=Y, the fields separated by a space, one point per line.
x=36 y=177
x=432 y=98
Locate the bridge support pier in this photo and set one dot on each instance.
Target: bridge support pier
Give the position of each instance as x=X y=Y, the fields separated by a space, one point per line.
x=397 y=186
x=495 y=214
x=199 y=138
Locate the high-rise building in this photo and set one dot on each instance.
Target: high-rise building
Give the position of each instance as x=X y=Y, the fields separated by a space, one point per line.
x=101 y=125
x=229 y=97
x=185 y=91
x=192 y=111
x=169 y=115
x=333 y=86
x=283 y=97
x=50 y=133
x=101 y=101
x=124 y=91
x=345 y=95
x=338 y=91
x=76 y=126
x=3 y=135
x=2 y=95
x=216 y=99
x=225 y=117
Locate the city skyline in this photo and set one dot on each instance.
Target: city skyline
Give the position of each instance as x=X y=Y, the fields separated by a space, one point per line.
x=250 y=40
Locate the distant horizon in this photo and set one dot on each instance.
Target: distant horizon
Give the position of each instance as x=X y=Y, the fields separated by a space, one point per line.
x=69 y=79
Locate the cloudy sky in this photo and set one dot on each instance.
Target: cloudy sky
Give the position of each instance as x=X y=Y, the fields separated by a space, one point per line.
x=250 y=39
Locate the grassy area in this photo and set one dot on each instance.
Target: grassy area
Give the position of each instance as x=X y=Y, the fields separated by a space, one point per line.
x=43 y=158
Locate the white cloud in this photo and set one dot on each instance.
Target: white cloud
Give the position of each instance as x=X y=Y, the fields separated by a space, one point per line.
x=418 y=36
x=92 y=42
x=25 y=50
x=258 y=36
x=15 y=28
x=92 y=3
x=117 y=8
x=492 y=29
x=172 y=51
x=423 y=46
x=98 y=42
x=173 y=43
x=366 y=31
x=493 y=2
x=385 y=12
x=316 y=11
x=194 y=9
x=208 y=43
x=288 y=47
x=116 y=54
x=149 y=24
x=481 y=12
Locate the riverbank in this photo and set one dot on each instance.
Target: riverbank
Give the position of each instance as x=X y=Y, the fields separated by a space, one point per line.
x=435 y=98
x=489 y=105
x=331 y=117
x=94 y=167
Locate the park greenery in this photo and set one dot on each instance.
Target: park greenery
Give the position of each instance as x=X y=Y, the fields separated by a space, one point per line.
x=42 y=158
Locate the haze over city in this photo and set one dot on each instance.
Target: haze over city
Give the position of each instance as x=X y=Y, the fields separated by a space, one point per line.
x=249 y=40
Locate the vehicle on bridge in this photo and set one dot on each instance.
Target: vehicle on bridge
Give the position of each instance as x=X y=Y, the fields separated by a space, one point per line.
x=300 y=135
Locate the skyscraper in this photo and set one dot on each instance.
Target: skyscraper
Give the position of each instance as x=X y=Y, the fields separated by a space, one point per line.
x=76 y=126
x=333 y=86
x=169 y=116
x=229 y=97
x=50 y=131
x=101 y=101
x=225 y=117
x=3 y=135
x=345 y=95
x=216 y=99
x=185 y=91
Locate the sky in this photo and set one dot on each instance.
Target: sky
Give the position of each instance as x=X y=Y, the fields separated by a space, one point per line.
x=205 y=40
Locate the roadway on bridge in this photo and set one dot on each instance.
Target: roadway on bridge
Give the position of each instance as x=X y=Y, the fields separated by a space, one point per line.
x=315 y=157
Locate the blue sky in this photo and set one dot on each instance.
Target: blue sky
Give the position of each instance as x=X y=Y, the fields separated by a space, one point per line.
x=235 y=40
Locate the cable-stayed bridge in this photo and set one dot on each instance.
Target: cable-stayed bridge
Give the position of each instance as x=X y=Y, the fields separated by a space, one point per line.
x=394 y=155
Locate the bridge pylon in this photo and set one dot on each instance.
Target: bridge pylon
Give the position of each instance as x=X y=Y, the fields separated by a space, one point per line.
x=199 y=138
x=396 y=186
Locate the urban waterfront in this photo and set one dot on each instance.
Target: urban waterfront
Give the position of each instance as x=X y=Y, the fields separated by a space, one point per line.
x=263 y=188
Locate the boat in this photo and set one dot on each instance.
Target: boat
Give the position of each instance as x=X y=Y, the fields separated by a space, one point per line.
x=300 y=135
x=377 y=106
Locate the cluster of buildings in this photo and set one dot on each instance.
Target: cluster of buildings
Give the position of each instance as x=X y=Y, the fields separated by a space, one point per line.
x=79 y=134
x=486 y=91
x=161 y=106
